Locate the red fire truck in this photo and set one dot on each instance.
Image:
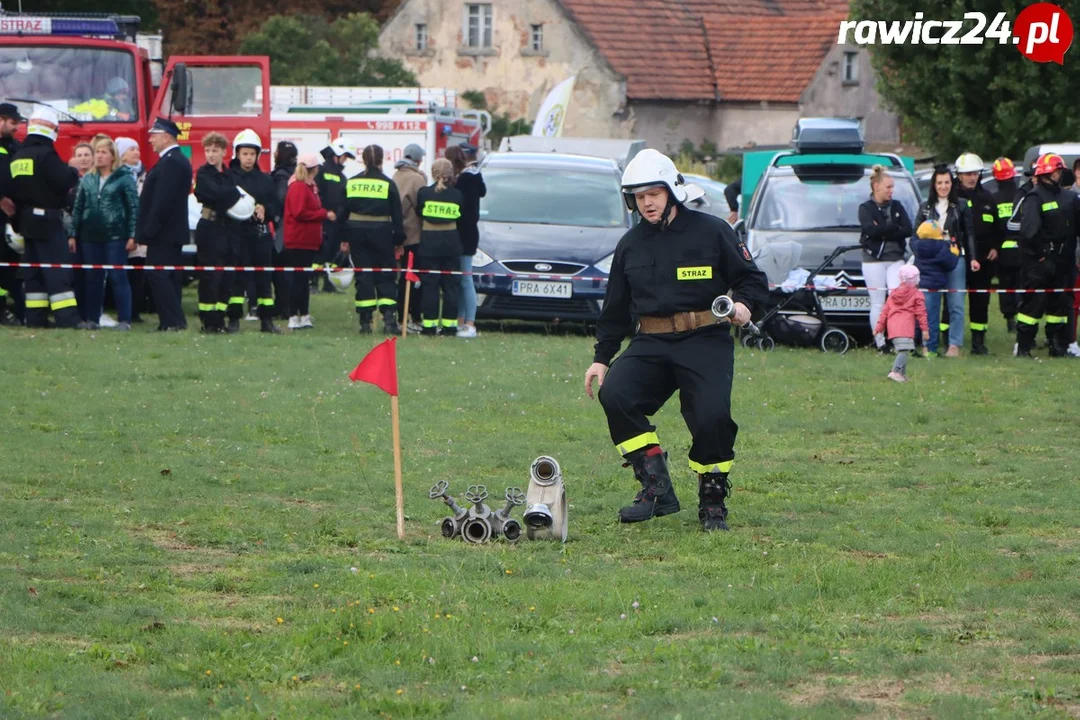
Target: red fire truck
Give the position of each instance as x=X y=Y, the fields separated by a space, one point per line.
x=102 y=75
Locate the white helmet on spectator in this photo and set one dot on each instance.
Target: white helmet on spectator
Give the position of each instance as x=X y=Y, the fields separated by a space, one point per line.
x=969 y=162
x=244 y=208
x=14 y=240
x=340 y=147
x=651 y=168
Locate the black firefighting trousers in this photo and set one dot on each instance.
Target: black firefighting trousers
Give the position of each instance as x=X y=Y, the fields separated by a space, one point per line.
x=372 y=245
x=215 y=242
x=699 y=364
x=254 y=247
x=49 y=289
x=1047 y=273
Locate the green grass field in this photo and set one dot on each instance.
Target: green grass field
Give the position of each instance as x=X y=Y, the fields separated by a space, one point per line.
x=179 y=516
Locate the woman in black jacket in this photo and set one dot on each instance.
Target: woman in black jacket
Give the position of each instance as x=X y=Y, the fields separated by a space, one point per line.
x=886 y=228
x=471 y=184
x=954 y=218
x=284 y=167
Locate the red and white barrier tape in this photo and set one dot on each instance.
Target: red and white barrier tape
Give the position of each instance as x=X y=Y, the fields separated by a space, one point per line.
x=527 y=276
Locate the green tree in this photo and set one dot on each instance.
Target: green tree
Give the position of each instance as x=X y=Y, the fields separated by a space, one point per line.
x=984 y=98
x=502 y=125
x=306 y=50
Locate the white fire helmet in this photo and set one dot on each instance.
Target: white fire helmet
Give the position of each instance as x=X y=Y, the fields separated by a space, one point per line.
x=14 y=240
x=247 y=138
x=341 y=147
x=969 y=162
x=651 y=168
x=244 y=208
x=341 y=277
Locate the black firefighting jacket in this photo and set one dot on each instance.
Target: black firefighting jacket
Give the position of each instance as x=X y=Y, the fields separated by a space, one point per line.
x=683 y=267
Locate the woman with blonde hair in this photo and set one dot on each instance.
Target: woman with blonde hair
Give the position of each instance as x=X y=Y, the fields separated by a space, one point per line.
x=303 y=221
x=103 y=227
x=439 y=207
x=886 y=228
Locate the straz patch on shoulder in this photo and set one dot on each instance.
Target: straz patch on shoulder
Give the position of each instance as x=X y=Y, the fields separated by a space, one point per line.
x=695 y=273
x=745 y=252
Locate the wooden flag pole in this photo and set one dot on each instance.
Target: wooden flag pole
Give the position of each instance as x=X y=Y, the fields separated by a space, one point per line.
x=399 y=492
x=406 y=316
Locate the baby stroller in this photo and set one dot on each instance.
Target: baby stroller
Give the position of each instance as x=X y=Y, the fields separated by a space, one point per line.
x=805 y=329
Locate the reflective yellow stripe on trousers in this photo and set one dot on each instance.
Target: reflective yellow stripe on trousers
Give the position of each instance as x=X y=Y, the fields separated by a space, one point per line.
x=637 y=442
x=59 y=301
x=723 y=467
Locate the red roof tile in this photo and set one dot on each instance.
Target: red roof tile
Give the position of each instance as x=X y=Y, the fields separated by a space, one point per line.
x=657 y=45
x=768 y=58
x=756 y=49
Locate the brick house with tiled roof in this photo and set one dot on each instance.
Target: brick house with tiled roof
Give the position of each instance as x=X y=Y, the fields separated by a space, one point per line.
x=731 y=72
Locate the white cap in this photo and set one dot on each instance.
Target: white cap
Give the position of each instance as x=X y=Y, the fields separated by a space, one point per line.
x=43 y=122
x=123 y=144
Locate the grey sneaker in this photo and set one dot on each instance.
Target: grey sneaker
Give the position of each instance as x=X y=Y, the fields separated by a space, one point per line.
x=123 y=327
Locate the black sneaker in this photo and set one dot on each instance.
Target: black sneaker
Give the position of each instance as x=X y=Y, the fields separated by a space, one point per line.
x=657 y=495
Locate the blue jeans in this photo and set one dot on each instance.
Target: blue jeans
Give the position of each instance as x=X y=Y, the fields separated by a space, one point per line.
x=933 y=318
x=113 y=252
x=957 y=280
x=467 y=303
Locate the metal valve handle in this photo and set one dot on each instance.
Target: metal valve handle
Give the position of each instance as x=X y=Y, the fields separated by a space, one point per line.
x=438 y=490
x=476 y=494
x=515 y=496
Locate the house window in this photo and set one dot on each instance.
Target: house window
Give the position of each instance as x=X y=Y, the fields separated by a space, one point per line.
x=851 y=67
x=421 y=37
x=536 y=38
x=478 y=25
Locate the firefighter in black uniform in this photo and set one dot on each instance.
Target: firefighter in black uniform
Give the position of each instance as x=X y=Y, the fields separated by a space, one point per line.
x=1008 y=260
x=255 y=246
x=331 y=186
x=374 y=235
x=665 y=274
x=39 y=185
x=986 y=244
x=215 y=235
x=1047 y=220
x=10 y=291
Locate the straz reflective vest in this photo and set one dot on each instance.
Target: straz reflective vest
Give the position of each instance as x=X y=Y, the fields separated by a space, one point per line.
x=39 y=184
x=1005 y=197
x=441 y=211
x=1046 y=221
x=368 y=195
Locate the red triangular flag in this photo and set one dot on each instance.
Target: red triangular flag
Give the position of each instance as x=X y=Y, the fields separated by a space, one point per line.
x=379 y=367
x=409 y=274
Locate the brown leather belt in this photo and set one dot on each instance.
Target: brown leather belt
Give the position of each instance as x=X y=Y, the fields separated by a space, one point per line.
x=438 y=227
x=357 y=217
x=677 y=323
x=208 y=214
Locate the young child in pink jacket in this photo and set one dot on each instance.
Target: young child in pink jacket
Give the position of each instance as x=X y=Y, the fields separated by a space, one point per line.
x=902 y=310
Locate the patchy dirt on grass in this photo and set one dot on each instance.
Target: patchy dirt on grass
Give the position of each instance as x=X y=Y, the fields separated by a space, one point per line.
x=885 y=694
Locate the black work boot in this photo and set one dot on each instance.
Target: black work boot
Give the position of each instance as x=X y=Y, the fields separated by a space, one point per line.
x=713 y=489
x=978 y=343
x=1025 y=339
x=1059 y=347
x=1010 y=323
x=365 y=322
x=233 y=327
x=390 y=322
x=268 y=326
x=657 y=495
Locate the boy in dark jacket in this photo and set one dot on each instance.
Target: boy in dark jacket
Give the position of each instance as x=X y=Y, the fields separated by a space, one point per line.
x=214 y=235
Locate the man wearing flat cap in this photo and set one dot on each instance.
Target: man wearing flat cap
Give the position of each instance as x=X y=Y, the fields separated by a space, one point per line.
x=163 y=222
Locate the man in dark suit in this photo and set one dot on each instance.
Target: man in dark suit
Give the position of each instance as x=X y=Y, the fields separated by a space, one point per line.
x=163 y=222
